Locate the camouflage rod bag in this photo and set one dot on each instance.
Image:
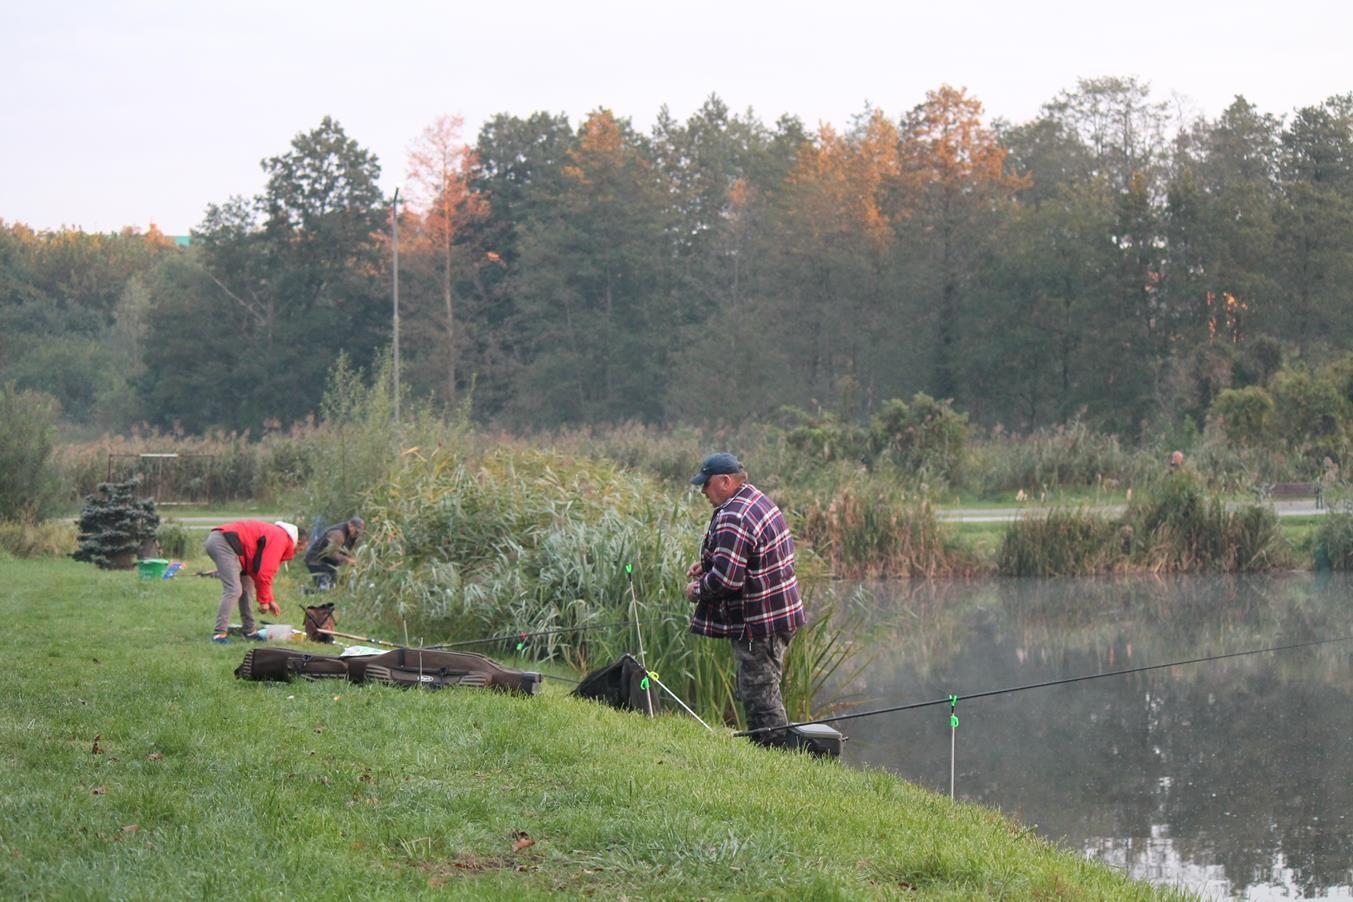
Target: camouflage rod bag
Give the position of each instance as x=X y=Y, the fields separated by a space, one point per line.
x=432 y=669
x=620 y=685
x=282 y=665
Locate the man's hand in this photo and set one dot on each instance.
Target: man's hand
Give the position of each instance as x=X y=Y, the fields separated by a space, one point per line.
x=693 y=589
x=695 y=571
x=270 y=607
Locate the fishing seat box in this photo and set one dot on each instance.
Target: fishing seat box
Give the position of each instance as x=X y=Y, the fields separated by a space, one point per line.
x=816 y=739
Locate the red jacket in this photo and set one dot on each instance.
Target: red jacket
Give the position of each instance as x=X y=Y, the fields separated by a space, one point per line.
x=265 y=547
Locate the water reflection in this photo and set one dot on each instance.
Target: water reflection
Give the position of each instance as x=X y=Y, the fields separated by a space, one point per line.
x=1231 y=777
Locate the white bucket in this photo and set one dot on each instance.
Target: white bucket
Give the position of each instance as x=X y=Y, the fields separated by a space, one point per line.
x=277 y=632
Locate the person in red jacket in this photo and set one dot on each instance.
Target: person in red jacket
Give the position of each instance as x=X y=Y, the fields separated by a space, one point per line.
x=247 y=554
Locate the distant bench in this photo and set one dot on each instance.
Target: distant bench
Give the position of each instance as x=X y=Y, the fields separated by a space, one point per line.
x=1275 y=490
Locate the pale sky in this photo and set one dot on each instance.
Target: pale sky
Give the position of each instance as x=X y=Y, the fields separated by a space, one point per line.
x=139 y=111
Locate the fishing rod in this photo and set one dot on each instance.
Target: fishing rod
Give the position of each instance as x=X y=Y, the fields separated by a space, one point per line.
x=521 y=637
x=952 y=700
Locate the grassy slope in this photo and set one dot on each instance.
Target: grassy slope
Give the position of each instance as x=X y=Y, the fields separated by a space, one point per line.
x=207 y=786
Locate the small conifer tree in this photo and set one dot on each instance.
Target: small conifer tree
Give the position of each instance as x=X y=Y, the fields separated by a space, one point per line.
x=115 y=524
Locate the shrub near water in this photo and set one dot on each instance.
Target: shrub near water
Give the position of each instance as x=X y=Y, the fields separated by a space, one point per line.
x=1179 y=528
x=892 y=533
x=1064 y=542
x=525 y=541
x=1175 y=528
x=1334 y=538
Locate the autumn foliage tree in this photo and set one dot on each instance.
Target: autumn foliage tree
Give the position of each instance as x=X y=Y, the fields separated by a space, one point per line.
x=445 y=205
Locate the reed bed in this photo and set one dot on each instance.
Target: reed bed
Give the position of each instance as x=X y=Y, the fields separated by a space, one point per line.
x=50 y=538
x=465 y=544
x=862 y=535
x=1177 y=528
x=215 y=468
x=1063 y=542
x=1334 y=540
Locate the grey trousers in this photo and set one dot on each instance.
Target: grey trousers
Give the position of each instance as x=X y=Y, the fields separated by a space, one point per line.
x=236 y=589
x=760 y=668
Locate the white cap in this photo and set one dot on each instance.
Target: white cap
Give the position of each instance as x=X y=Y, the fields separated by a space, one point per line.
x=288 y=528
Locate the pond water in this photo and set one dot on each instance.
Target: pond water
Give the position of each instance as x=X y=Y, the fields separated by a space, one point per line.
x=1231 y=778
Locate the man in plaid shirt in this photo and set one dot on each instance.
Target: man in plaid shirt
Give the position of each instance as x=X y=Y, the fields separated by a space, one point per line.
x=745 y=590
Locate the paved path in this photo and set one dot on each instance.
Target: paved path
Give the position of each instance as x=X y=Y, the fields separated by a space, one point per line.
x=1295 y=508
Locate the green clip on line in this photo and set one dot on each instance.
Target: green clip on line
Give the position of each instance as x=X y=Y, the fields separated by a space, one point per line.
x=643 y=684
x=629 y=568
x=953 y=717
x=522 y=643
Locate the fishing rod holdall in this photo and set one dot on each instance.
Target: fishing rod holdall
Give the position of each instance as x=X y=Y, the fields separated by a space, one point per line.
x=402 y=667
x=436 y=669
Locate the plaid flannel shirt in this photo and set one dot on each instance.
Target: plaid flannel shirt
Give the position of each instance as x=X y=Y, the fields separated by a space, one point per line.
x=748 y=589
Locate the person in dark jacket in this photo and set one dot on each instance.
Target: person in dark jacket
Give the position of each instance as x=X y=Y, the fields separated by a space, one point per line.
x=337 y=545
x=745 y=589
x=247 y=555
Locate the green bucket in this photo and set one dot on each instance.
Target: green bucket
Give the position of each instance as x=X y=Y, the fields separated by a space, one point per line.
x=151 y=568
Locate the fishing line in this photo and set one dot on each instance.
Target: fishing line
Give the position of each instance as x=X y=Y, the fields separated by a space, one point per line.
x=954 y=699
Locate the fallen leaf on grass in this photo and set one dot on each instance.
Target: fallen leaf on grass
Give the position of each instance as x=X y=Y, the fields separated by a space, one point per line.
x=97 y=749
x=98 y=790
x=155 y=756
x=319 y=729
x=131 y=828
x=522 y=840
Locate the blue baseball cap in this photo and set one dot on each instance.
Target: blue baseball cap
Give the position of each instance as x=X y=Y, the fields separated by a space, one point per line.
x=717 y=464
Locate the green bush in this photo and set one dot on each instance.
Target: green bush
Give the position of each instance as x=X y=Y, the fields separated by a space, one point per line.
x=1245 y=415
x=926 y=437
x=174 y=540
x=28 y=489
x=1311 y=414
x=1334 y=541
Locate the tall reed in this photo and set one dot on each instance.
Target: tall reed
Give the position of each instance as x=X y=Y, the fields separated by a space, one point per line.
x=465 y=543
x=1063 y=542
x=885 y=533
x=1176 y=527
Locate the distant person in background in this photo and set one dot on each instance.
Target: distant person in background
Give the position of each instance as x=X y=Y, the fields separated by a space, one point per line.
x=335 y=546
x=1176 y=461
x=247 y=555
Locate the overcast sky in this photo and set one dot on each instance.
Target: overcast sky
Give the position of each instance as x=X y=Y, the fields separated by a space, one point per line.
x=133 y=112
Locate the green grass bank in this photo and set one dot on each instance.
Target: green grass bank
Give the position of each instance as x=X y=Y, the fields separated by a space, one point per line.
x=134 y=765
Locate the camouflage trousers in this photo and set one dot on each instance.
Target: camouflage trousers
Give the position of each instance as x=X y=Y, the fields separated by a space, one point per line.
x=760 y=668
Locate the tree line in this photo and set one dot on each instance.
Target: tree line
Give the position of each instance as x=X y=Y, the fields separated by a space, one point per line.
x=1109 y=261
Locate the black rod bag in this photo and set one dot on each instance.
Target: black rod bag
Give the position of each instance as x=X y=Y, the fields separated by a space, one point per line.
x=401 y=667
x=620 y=685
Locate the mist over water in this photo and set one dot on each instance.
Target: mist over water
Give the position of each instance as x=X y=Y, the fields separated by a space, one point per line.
x=1230 y=778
